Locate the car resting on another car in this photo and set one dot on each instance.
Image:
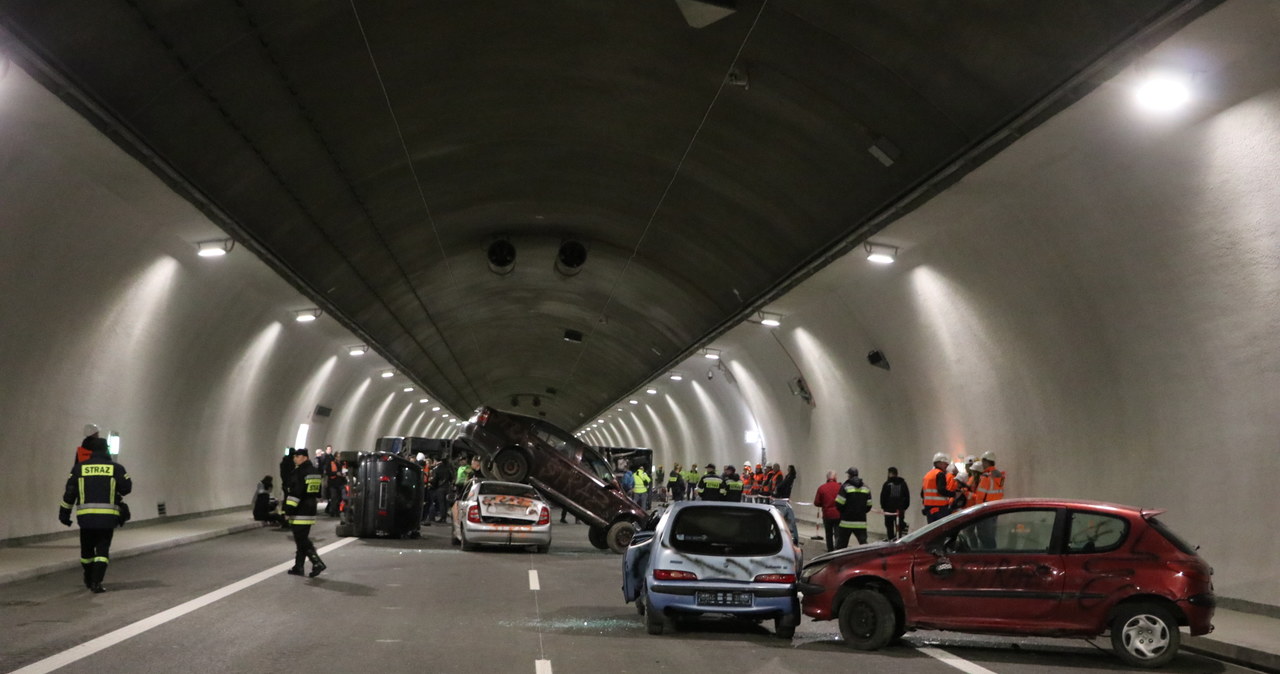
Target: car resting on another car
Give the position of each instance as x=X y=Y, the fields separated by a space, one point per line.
x=1045 y=567
x=736 y=559
x=501 y=513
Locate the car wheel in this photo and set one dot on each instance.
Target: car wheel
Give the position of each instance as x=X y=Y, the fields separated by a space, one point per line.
x=511 y=465
x=654 y=621
x=467 y=546
x=598 y=538
x=619 y=535
x=784 y=628
x=1145 y=635
x=866 y=620
x=343 y=530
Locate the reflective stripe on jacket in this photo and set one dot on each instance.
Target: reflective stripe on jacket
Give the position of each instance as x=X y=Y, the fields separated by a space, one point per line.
x=931 y=498
x=94 y=490
x=990 y=486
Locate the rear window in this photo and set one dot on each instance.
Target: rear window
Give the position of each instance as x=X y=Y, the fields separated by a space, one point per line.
x=1177 y=541
x=492 y=489
x=725 y=531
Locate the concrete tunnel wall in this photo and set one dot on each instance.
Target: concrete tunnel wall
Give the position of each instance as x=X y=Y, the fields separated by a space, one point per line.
x=1097 y=305
x=109 y=316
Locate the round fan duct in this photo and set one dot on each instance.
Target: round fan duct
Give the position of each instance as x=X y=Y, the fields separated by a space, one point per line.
x=570 y=258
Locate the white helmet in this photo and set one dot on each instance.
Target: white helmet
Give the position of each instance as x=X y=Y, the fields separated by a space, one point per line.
x=941 y=457
x=989 y=456
x=91 y=429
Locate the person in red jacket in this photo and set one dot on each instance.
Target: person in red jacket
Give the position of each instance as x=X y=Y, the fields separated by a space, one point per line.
x=825 y=502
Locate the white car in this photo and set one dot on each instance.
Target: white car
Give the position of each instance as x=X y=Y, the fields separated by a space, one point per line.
x=501 y=513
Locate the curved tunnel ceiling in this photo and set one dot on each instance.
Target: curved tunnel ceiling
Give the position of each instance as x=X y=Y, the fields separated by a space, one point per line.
x=371 y=151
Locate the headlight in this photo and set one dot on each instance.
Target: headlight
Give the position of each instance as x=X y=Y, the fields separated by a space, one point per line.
x=811 y=571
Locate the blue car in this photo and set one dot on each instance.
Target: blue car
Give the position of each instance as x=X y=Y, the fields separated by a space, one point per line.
x=710 y=557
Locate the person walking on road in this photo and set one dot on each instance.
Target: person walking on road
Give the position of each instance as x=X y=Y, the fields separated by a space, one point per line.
x=94 y=491
x=895 y=498
x=300 y=512
x=854 y=502
x=825 y=501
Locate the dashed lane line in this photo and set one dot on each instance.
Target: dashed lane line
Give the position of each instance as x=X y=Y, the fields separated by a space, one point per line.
x=110 y=639
x=541 y=667
x=954 y=661
x=533 y=580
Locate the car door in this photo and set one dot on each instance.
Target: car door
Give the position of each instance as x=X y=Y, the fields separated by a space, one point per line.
x=998 y=570
x=1099 y=566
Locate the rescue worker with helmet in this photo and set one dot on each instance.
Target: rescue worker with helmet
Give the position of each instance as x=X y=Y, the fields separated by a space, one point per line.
x=300 y=512
x=854 y=501
x=938 y=490
x=990 y=481
x=94 y=490
x=711 y=486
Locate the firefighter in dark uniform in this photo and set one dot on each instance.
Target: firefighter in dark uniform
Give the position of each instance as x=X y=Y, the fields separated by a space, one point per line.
x=94 y=490
x=300 y=511
x=732 y=484
x=711 y=487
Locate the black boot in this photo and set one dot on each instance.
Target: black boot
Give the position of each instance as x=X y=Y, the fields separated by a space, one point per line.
x=88 y=574
x=98 y=571
x=298 y=559
x=317 y=566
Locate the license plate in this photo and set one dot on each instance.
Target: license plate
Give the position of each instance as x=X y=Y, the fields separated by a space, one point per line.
x=723 y=598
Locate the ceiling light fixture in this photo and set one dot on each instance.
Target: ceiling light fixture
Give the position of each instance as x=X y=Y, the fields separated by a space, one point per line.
x=634 y=402
x=770 y=320
x=651 y=391
x=711 y=354
x=424 y=400
x=408 y=389
x=387 y=374
x=880 y=253
x=215 y=247
x=358 y=350
x=306 y=315
x=435 y=409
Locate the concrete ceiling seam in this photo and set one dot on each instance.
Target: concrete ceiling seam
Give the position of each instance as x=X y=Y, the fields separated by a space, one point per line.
x=724 y=81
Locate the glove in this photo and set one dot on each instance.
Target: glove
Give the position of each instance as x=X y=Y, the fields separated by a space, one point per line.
x=65 y=518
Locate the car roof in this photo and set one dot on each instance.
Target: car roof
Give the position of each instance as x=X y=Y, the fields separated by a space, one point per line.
x=507 y=484
x=684 y=505
x=1067 y=503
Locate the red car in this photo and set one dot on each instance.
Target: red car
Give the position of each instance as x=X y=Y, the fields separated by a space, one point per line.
x=1043 y=567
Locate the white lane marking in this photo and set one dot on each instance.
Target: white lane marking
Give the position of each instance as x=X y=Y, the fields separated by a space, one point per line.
x=533 y=580
x=954 y=661
x=541 y=667
x=129 y=631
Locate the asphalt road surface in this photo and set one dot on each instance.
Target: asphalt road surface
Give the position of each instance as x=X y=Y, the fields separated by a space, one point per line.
x=423 y=605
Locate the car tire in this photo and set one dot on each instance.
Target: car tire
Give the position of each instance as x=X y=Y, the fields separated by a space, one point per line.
x=619 y=535
x=1145 y=634
x=511 y=465
x=654 y=621
x=343 y=530
x=598 y=538
x=867 y=620
x=784 y=628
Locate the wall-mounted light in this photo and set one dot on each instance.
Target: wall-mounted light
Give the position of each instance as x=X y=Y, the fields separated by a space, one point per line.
x=675 y=376
x=634 y=402
x=711 y=354
x=408 y=389
x=435 y=409
x=387 y=374
x=651 y=391
x=770 y=320
x=306 y=315
x=619 y=409
x=358 y=350
x=1163 y=92
x=880 y=253
x=424 y=400
x=215 y=247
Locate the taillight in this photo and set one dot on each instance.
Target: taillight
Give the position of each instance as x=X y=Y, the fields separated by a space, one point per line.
x=383 y=478
x=545 y=516
x=775 y=578
x=667 y=574
x=473 y=514
x=483 y=417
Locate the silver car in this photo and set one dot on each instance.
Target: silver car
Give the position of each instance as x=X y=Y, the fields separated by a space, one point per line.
x=715 y=557
x=501 y=513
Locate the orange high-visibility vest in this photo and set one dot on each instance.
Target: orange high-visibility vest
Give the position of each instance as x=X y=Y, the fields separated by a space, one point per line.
x=932 y=499
x=748 y=484
x=990 y=486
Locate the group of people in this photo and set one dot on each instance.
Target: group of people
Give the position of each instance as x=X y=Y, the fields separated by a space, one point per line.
x=843 y=507
x=767 y=484
x=444 y=482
